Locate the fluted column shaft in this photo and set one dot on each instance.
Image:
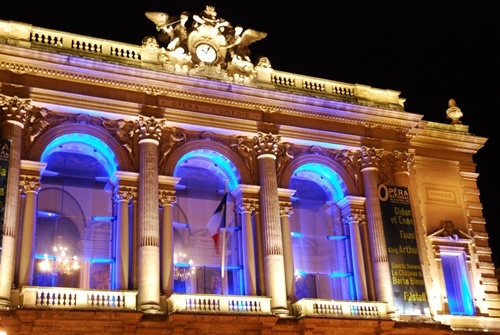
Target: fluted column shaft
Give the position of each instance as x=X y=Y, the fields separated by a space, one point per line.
x=274 y=267
x=13 y=115
x=370 y=158
x=31 y=186
x=148 y=297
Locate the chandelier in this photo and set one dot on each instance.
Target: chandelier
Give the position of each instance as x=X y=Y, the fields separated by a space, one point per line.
x=182 y=268
x=60 y=263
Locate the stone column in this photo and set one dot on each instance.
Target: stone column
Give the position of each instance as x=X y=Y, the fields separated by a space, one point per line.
x=135 y=237
x=167 y=200
x=259 y=250
x=124 y=184
x=148 y=298
x=352 y=210
x=13 y=115
x=274 y=267
x=370 y=160
x=246 y=199
x=401 y=162
x=122 y=198
x=286 y=210
x=31 y=186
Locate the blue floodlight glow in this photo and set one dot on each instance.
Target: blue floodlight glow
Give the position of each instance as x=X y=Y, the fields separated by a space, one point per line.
x=457 y=284
x=103 y=218
x=340 y=274
x=101 y=260
x=336 y=237
x=182 y=265
x=220 y=165
x=300 y=272
x=295 y=234
x=46 y=214
x=39 y=256
x=84 y=144
x=233 y=267
x=327 y=178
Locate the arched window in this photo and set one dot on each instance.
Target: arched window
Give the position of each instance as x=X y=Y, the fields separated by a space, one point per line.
x=207 y=260
x=319 y=238
x=74 y=225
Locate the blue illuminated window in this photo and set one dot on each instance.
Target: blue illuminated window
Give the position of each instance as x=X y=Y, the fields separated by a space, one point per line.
x=457 y=283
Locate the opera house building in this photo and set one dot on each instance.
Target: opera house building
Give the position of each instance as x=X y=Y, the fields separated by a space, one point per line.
x=178 y=187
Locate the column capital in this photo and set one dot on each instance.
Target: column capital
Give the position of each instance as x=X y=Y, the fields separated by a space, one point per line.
x=266 y=144
x=149 y=129
x=14 y=109
x=247 y=205
x=369 y=157
x=355 y=216
x=401 y=161
x=123 y=194
x=286 y=208
x=31 y=184
x=166 y=198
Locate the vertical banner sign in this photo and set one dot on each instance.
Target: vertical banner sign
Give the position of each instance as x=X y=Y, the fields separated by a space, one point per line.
x=404 y=261
x=4 y=168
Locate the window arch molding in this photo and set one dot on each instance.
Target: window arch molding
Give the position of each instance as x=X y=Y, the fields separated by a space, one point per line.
x=121 y=155
x=242 y=172
x=297 y=162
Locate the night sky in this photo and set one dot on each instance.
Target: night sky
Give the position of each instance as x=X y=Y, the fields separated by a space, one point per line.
x=429 y=54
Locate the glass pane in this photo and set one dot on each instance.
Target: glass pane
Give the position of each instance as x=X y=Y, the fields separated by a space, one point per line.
x=305 y=286
x=100 y=276
x=457 y=284
x=208 y=280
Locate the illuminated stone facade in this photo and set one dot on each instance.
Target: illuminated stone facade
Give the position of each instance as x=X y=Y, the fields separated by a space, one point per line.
x=345 y=214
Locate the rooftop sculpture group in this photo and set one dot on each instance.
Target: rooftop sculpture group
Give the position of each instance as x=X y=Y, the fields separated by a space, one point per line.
x=208 y=45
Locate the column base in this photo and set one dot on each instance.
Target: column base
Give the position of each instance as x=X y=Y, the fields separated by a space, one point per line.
x=150 y=309
x=5 y=305
x=280 y=311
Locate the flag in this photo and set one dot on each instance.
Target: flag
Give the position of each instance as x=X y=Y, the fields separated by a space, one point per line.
x=217 y=221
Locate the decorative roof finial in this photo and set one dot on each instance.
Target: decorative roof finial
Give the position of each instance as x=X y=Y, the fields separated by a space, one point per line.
x=453 y=112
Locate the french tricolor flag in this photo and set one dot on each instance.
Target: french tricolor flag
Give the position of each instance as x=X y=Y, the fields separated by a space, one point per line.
x=218 y=221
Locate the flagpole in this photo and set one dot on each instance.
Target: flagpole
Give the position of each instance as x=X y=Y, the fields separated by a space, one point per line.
x=223 y=253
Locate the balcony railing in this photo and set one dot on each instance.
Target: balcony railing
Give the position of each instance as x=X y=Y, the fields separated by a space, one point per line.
x=211 y=303
x=70 y=298
x=340 y=309
x=26 y=35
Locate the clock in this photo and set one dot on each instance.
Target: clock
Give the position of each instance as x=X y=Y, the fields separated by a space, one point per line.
x=206 y=53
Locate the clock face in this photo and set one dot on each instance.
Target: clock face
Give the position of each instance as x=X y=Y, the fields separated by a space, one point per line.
x=206 y=53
